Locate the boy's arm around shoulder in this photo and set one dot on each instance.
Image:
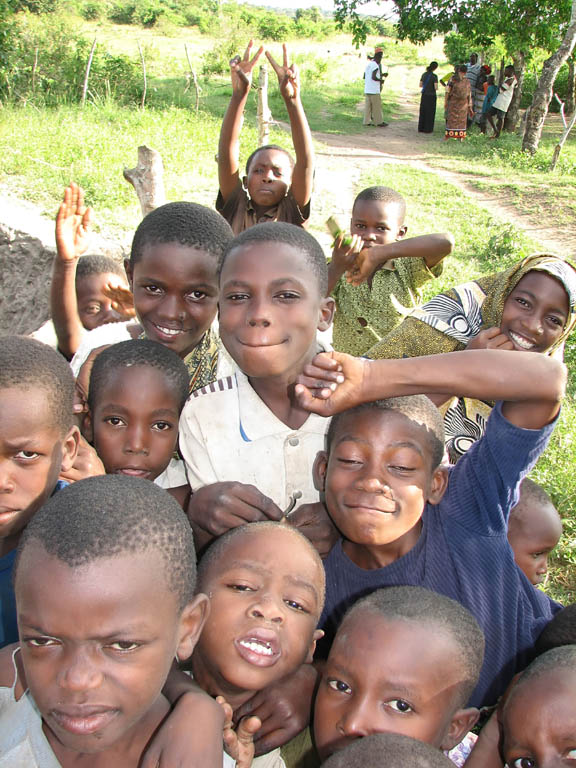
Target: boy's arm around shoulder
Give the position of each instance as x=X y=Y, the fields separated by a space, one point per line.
x=7 y=670
x=530 y=384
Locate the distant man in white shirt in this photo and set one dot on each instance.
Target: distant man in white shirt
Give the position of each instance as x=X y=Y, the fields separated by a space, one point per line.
x=373 y=80
x=502 y=102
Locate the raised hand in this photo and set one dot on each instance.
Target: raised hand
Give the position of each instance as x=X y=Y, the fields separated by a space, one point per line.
x=331 y=383
x=288 y=78
x=241 y=69
x=239 y=742
x=122 y=300
x=73 y=224
x=490 y=338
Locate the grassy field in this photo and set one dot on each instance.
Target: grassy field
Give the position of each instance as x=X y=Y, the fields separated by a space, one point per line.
x=41 y=150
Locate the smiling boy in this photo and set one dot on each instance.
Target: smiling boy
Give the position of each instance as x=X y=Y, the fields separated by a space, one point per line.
x=406 y=519
x=105 y=588
x=173 y=275
x=247 y=443
x=37 y=442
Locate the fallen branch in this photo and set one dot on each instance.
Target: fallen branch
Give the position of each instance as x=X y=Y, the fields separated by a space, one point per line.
x=192 y=75
x=147 y=178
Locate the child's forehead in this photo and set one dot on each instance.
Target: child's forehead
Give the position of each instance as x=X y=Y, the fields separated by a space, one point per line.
x=265 y=259
x=269 y=158
x=367 y=426
x=376 y=209
x=29 y=402
x=172 y=257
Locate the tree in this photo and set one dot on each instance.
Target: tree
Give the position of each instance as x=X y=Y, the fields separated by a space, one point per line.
x=543 y=93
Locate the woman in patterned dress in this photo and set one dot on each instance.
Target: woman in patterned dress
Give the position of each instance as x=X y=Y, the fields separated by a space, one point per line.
x=458 y=105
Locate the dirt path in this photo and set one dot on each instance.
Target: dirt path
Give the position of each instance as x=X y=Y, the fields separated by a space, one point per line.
x=345 y=157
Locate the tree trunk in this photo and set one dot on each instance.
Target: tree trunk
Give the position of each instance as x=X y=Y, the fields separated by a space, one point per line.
x=513 y=114
x=148 y=179
x=569 y=103
x=543 y=93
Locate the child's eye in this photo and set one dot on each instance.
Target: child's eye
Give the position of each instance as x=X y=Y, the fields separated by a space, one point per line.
x=340 y=686
x=196 y=295
x=92 y=309
x=401 y=469
x=399 y=705
x=571 y=754
x=237 y=297
x=27 y=455
x=40 y=642
x=287 y=296
x=154 y=289
x=524 y=762
x=124 y=645
x=296 y=606
x=522 y=302
x=114 y=421
x=382 y=228
x=349 y=462
x=359 y=226
x=240 y=587
x=556 y=321
x=162 y=426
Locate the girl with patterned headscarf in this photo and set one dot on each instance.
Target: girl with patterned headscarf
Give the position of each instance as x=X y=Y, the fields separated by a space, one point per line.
x=529 y=307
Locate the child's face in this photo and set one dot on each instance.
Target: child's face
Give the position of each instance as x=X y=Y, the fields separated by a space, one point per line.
x=98 y=642
x=94 y=307
x=134 y=425
x=535 y=312
x=389 y=676
x=378 y=477
x=33 y=452
x=265 y=600
x=269 y=177
x=539 y=723
x=270 y=310
x=534 y=538
x=377 y=222
x=175 y=291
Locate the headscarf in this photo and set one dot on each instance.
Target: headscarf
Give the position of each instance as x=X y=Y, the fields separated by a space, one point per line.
x=450 y=320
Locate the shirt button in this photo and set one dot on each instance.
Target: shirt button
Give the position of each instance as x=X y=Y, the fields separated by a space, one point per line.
x=294 y=441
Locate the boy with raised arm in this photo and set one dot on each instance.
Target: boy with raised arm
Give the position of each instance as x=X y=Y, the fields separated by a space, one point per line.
x=275 y=188
x=406 y=519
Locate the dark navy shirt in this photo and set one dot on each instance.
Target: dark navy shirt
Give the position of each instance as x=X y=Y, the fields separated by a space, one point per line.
x=8 y=623
x=463 y=552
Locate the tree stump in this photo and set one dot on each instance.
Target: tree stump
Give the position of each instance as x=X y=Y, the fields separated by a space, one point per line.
x=147 y=178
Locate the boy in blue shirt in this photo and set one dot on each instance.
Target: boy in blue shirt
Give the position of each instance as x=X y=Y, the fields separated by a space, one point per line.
x=407 y=520
x=38 y=441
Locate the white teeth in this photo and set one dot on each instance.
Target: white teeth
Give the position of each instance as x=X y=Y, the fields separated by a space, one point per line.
x=527 y=345
x=257 y=647
x=168 y=331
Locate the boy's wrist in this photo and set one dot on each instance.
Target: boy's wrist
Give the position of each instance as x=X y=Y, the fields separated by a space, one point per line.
x=65 y=264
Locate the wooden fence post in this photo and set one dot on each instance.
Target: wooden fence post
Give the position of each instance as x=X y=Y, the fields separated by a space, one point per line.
x=264 y=116
x=87 y=72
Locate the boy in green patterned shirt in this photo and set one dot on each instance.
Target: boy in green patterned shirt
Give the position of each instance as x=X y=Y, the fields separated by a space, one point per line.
x=383 y=270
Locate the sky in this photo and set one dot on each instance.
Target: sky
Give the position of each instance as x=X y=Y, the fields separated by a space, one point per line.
x=372 y=8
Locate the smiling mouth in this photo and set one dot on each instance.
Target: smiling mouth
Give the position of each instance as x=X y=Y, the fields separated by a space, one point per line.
x=521 y=341
x=260 y=344
x=170 y=332
x=260 y=648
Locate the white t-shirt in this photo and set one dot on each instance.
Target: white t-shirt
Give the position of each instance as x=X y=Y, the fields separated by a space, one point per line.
x=504 y=98
x=227 y=433
x=371 y=86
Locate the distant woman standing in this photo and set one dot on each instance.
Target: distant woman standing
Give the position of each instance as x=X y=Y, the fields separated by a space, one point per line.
x=428 y=86
x=458 y=105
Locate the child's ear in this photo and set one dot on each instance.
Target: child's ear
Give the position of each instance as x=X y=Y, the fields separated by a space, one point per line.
x=70 y=448
x=462 y=721
x=318 y=635
x=402 y=232
x=326 y=313
x=192 y=620
x=438 y=485
x=129 y=274
x=244 y=182
x=87 y=428
x=319 y=469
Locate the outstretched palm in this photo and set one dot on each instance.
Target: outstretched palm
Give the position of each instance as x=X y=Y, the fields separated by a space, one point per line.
x=73 y=224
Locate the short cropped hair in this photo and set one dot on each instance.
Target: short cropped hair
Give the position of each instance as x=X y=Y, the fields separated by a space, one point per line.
x=418 y=408
x=106 y=516
x=28 y=364
x=385 y=195
x=422 y=606
x=388 y=750
x=563 y=657
x=530 y=492
x=290 y=234
x=264 y=148
x=218 y=549
x=560 y=631
x=185 y=223
x=143 y=353
x=97 y=264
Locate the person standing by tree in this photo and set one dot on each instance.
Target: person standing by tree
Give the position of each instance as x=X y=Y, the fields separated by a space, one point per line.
x=502 y=103
x=373 y=80
x=428 y=87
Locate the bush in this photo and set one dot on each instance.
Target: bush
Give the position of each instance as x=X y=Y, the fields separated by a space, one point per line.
x=92 y=11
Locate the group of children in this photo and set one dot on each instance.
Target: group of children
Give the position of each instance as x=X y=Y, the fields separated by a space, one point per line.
x=250 y=444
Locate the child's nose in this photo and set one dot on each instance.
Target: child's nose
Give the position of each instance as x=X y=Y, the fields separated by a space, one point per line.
x=78 y=672
x=542 y=566
x=268 y=608
x=135 y=441
x=259 y=313
x=356 y=720
x=372 y=483
x=6 y=483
